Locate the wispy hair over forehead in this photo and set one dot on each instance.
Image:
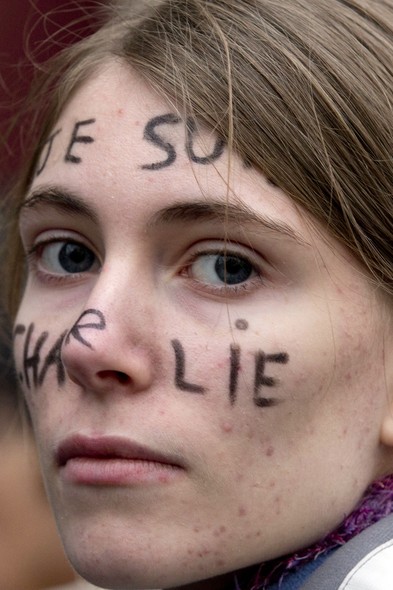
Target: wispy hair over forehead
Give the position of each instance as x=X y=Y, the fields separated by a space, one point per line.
x=302 y=90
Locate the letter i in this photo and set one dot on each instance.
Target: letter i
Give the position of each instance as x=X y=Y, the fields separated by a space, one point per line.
x=234 y=372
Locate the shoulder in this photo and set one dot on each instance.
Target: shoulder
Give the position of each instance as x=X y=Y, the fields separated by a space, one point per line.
x=365 y=562
x=374 y=571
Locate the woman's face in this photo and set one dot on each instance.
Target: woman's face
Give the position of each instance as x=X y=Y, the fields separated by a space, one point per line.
x=205 y=371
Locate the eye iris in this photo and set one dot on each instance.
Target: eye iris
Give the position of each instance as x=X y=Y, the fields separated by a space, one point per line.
x=232 y=269
x=75 y=258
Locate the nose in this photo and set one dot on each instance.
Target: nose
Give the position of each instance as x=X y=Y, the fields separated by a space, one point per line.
x=100 y=355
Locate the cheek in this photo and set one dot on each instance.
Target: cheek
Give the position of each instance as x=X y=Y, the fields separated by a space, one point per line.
x=37 y=359
x=240 y=375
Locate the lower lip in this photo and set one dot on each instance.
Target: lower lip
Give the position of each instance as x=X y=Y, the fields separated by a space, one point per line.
x=117 y=472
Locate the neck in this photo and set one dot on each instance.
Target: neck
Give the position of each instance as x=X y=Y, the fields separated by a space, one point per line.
x=376 y=503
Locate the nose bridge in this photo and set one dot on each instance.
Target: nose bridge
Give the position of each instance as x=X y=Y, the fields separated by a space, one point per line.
x=116 y=307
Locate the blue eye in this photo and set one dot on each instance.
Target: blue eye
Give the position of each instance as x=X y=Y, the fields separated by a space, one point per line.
x=221 y=269
x=66 y=257
x=231 y=269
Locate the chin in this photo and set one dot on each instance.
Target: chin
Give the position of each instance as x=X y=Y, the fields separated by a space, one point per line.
x=111 y=569
x=119 y=562
x=132 y=562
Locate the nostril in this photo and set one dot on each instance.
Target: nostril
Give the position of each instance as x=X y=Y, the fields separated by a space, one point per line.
x=121 y=377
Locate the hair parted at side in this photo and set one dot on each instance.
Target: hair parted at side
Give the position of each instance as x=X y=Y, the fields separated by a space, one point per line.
x=302 y=90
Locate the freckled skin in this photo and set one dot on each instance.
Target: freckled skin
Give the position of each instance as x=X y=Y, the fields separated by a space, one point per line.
x=151 y=292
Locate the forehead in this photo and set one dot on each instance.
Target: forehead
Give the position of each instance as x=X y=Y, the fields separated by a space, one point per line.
x=123 y=139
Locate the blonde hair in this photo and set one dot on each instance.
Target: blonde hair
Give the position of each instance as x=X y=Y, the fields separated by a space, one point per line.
x=302 y=90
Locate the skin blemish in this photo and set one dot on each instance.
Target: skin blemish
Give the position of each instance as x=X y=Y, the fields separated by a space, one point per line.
x=227 y=427
x=269 y=451
x=203 y=552
x=241 y=324
x=163 y=479
x=242 y=511
x=277 y=501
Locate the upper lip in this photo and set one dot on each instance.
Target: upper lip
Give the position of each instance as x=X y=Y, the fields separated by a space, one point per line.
x=109 y=447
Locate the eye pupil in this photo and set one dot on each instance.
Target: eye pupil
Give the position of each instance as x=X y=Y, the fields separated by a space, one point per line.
x=75 y=258
x=232 y=269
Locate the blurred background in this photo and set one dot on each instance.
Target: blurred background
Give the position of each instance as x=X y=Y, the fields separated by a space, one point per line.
x=33 y=30
x=31 y=555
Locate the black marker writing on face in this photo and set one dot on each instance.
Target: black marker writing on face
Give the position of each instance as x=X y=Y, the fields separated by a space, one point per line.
x=48 y=144
x=217 y=150
x=262 y=380
x=35 y=368
x=19 y=329
x=181 y=368
x=54 y=358
x=75 y=138
x=151 y=135
x=31 y=361
x=234 y=372
x=76 y=329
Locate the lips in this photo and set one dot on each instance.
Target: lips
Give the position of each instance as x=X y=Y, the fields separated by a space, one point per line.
x=113 y=461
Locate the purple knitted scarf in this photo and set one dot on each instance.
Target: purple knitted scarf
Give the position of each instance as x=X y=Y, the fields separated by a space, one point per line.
x=376 y=503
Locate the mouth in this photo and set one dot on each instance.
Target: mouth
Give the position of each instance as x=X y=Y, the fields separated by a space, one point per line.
x=114 y=461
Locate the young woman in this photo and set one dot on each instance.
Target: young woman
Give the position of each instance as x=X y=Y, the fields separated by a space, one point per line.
x=204 y=335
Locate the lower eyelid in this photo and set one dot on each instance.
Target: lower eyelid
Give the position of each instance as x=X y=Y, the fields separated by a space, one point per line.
x=227 y=291
x=37 y=266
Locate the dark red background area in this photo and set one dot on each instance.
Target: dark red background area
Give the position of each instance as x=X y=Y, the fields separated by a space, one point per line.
x=29 y=28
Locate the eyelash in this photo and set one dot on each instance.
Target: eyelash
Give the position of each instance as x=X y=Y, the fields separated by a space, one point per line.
x=34 y=256
x=225 y=289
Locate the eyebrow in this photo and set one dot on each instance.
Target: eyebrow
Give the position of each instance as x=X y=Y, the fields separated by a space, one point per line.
x=213 y=210
x=61 y=199
x=181 y=212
